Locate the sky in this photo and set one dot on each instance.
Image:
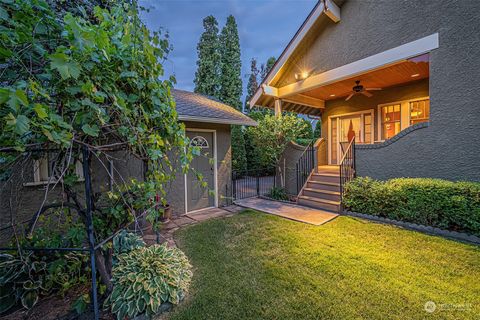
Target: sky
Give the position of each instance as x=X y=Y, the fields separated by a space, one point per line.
x=265 y=27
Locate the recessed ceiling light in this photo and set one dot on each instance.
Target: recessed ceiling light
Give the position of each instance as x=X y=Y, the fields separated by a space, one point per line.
x=415 y=75
x=332 y=95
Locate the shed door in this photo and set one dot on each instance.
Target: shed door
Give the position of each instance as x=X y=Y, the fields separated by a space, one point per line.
x=197 y=196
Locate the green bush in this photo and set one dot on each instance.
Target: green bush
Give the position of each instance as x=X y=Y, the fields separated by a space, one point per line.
x=433 y=202
x=145 y=278
x=278 y=194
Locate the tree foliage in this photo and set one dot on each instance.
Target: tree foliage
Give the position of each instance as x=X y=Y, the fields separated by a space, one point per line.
x=207 y=76
x=79 y=80
x=239 y=155
x=231 y=65
x=317 y=133
x=272 y=135
x=266 y=67
x=252 y=84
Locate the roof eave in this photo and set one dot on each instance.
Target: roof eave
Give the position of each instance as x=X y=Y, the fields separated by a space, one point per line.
x=249 y=122
x=331 y=10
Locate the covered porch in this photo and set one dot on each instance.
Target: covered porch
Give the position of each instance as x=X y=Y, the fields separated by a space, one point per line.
x=376 y=100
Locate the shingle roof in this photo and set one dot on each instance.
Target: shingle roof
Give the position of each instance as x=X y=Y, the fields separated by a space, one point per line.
x=199 y=108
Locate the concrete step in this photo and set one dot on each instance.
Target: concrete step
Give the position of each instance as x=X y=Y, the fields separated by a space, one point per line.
x=326 y=177
x=322 y=194
x=330 y=186
x=323 y=204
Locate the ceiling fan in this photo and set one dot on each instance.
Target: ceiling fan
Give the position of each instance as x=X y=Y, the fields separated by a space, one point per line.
x=359 y=89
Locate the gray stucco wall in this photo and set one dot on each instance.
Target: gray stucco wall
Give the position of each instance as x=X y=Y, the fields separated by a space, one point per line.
x=288 y=162
x=449 y=148
x=176 y=190
x=26 y=200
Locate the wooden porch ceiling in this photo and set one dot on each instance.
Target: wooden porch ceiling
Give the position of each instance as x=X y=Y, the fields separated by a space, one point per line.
x=397 y=74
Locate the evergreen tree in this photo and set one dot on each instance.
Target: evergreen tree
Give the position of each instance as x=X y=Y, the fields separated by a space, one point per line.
x=231 y=86
x=266 y=67
x=318 y=129
x=239 y=156
x=231 y=65
x=252 y=85
x=207 y=76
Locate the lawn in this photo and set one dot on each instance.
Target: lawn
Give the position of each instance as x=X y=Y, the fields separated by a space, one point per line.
x=258 y=266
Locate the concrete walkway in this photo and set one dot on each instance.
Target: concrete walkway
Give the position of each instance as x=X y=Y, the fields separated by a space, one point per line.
x=167 y=229
x=290 y=211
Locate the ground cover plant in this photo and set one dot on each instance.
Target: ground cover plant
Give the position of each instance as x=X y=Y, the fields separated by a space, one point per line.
x=433 y=202
x=259 y=266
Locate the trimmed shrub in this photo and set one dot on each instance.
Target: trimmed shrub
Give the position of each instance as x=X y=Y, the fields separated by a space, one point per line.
x=433 y=202
x=145 y=278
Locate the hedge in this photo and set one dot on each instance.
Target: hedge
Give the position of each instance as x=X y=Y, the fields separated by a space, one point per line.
x=432 y=202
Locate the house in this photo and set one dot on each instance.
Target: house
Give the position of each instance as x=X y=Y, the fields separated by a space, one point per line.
x=207 y=123
x=401 y=77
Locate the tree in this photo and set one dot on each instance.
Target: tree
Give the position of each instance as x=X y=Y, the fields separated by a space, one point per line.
x=272 y=135
x=207 y=76
x=74 y=83
x=252 y=85
x=266 y=67
x=239 y=156
x=231 y=65
x=231 y=86
x=317 y=133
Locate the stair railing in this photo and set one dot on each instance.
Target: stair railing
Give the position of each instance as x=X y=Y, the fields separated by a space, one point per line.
x=305 y=165
x=347 y=168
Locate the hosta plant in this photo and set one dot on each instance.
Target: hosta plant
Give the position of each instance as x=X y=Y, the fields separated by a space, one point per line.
x=147 y=277
x=21 y=280
x=126 y=241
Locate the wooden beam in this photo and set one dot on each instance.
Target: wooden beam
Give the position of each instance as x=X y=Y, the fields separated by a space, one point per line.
x=374 y=62
x=306 y=101
x=332 y=11
x=269 y=91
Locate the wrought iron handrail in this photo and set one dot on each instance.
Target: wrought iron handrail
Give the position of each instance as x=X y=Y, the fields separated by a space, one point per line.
x=304 y=166
x=347 y=168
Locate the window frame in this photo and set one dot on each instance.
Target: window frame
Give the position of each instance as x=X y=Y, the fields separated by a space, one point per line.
x=39 y=171
x=404 y=114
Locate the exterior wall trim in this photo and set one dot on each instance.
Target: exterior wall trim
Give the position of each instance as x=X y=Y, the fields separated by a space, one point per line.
x=395 y=138
x=362 y=66
x=215 y=169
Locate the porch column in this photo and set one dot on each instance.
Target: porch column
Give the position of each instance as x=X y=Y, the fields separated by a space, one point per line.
x=278 y=108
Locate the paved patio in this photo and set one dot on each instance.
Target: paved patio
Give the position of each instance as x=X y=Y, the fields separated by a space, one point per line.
x=290 y=211
x=167 y=229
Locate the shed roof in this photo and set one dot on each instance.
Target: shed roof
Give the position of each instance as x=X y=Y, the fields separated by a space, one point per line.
x=199 y=108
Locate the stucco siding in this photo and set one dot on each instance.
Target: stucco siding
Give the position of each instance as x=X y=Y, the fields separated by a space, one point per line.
x=449 y=147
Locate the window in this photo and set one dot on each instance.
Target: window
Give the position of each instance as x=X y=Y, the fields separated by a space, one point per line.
x=43 y=171
x=199 y=141
x=390 y=120
x=367 y=128
x=419 y=111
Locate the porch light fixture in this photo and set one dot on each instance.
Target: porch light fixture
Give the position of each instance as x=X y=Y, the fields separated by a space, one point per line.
x=415 y=75
x=332 y=95
x=302 y=75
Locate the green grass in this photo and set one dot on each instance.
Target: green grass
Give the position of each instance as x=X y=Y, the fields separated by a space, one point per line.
x=258 y=266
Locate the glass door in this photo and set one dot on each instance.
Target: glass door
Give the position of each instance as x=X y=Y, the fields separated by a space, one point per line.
x=344 y=127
